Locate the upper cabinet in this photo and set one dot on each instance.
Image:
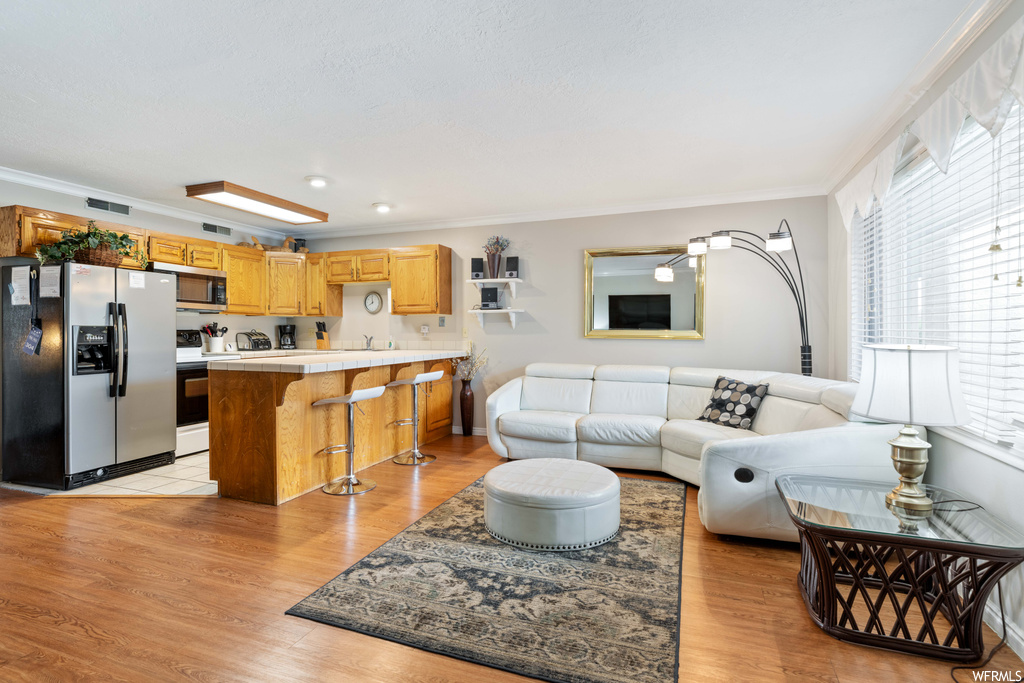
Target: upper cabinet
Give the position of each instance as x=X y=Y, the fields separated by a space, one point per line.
x=246 y=275
x=421 y=280
x=341 y=267
x=23 y=229
x=184 y=252
x=373 y=266
x=358 y=266
x=203 y=255
x=285 y=283
x=166 y=249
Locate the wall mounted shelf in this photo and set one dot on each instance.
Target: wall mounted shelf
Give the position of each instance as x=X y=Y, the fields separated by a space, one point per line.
x=510 y=281
x=511 y=312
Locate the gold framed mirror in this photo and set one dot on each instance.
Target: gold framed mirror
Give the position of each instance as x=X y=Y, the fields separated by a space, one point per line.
x=624 y=300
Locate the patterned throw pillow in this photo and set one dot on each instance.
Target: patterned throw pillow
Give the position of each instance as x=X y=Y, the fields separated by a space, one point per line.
x=734 y=403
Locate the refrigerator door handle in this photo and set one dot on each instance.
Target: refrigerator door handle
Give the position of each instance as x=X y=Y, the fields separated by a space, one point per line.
x=112 y=315
x=123 y=314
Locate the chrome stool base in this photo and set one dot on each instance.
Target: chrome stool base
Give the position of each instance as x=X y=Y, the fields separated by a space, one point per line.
x=413 y=459
x=343 y=487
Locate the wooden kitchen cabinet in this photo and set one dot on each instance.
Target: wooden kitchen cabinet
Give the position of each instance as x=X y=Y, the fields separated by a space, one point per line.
x=203 y=255
x=246 y=275
x=23 y=230
x=421 y=280
x=316 y=285
x=341 y=267
x=358 y=266
x=285 y=283
x=438 y=411
x=373 y=267
x=167 y=249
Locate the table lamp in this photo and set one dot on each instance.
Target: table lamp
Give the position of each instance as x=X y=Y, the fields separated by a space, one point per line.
x=913 y=385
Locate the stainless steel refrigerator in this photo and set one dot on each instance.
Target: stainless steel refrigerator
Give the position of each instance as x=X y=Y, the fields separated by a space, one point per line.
x=97 y=399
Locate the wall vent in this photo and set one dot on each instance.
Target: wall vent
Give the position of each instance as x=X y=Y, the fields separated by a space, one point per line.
x=104 y=205
x=218 y=229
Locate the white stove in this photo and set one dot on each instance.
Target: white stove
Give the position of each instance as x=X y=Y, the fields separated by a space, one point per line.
x=193 y=391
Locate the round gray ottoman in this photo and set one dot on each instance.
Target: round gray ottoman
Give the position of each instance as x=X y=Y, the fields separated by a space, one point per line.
x=551 y=504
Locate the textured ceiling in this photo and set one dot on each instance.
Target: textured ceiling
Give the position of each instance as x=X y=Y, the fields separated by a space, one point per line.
x=450 y=110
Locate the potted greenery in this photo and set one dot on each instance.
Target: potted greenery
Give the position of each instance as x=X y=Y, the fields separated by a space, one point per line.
x=94 y=246
x=466 y=369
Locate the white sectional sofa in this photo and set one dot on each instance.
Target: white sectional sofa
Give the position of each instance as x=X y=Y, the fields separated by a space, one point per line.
x=645 y=417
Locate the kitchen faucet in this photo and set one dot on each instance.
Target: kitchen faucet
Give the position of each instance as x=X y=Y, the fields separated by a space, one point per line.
x=369 y=342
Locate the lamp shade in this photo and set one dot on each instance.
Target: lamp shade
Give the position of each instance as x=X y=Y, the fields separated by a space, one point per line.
x=664 y=273
x=697 y=246
x=914 y=385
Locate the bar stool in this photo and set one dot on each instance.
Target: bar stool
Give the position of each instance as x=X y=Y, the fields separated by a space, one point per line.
x=349 y=484
x=414 y=457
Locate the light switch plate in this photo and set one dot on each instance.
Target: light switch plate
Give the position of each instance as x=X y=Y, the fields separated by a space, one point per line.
x=440 y=321
x=424 y=329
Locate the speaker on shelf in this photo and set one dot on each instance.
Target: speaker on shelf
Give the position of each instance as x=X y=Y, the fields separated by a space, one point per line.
x=476 y=269
x=511 y=266
x=488 y=297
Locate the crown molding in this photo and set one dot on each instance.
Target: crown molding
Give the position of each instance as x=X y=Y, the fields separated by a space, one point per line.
x=965 y=29
x=311 y=232
x=75 y=190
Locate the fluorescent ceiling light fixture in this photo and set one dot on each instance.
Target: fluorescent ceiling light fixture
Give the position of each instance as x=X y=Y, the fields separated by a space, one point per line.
x=381 y=207
x=316 y=180
x=721 y=240
x=697 y=246
x=251 y=201
x=779 y=241
x=664 y=273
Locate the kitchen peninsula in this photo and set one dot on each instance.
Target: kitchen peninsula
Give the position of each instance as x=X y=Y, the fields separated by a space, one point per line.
x=267 y=440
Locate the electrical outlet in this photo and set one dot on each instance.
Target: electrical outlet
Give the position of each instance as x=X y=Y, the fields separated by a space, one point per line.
x=465 y=333
x=440 y=321
x=424 y=330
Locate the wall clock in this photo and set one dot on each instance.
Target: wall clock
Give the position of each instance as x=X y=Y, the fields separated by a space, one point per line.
x=373 y=302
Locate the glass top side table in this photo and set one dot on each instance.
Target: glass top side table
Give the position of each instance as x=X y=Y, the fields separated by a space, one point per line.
x=880 y=577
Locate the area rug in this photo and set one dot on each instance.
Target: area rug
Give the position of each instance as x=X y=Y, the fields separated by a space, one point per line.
x=605 y=615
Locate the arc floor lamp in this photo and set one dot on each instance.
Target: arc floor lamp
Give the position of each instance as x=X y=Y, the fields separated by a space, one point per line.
x=769 y=250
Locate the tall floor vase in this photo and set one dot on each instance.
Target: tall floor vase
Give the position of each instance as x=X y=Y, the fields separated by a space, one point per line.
x=466 y=404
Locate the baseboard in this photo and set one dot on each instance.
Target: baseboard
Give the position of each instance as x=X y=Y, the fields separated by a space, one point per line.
x=1014 y=633
x=477 y=431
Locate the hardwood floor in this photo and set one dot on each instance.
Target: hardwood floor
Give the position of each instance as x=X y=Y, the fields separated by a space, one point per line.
x=130 y=589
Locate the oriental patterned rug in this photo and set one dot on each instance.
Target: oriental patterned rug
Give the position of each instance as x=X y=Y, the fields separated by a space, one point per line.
x=605 y=615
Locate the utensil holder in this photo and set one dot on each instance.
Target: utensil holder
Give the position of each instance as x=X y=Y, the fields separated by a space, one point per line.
x=216 y=344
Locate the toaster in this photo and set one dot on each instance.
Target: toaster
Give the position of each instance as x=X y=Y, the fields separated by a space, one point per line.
x=253 y=340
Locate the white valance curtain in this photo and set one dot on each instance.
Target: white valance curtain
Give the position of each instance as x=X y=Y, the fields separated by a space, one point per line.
x=985 y=92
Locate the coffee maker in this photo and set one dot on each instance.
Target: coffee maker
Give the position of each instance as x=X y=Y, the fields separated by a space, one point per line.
x=286 y=336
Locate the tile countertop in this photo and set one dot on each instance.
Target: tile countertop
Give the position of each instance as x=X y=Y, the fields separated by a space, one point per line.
x=308 y=362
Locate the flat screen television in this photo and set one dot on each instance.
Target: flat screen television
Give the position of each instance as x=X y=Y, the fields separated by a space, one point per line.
x=640 y=312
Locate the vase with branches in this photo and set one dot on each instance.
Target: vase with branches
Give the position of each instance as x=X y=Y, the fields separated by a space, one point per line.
x=493 y=248
x=466 y=369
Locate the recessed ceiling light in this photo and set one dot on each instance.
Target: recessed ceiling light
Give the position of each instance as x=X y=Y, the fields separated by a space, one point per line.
x=316 y=180
x=244 y=199
x=381 y=207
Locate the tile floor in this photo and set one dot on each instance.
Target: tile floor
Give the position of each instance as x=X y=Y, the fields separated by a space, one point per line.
x=189 y=476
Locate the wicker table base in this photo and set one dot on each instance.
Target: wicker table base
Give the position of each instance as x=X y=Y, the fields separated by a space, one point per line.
x=902 y=596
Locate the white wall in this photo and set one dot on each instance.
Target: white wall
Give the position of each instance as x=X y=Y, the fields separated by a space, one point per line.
x=992 y=481
x=751 y=319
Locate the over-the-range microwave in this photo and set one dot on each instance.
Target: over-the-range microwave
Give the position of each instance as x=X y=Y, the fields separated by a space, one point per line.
x=199 y=289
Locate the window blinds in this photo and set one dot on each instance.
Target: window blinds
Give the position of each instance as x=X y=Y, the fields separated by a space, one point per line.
x=930 y=267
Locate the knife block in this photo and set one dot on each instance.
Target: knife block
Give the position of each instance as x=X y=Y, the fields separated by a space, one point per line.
x=323 y=341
